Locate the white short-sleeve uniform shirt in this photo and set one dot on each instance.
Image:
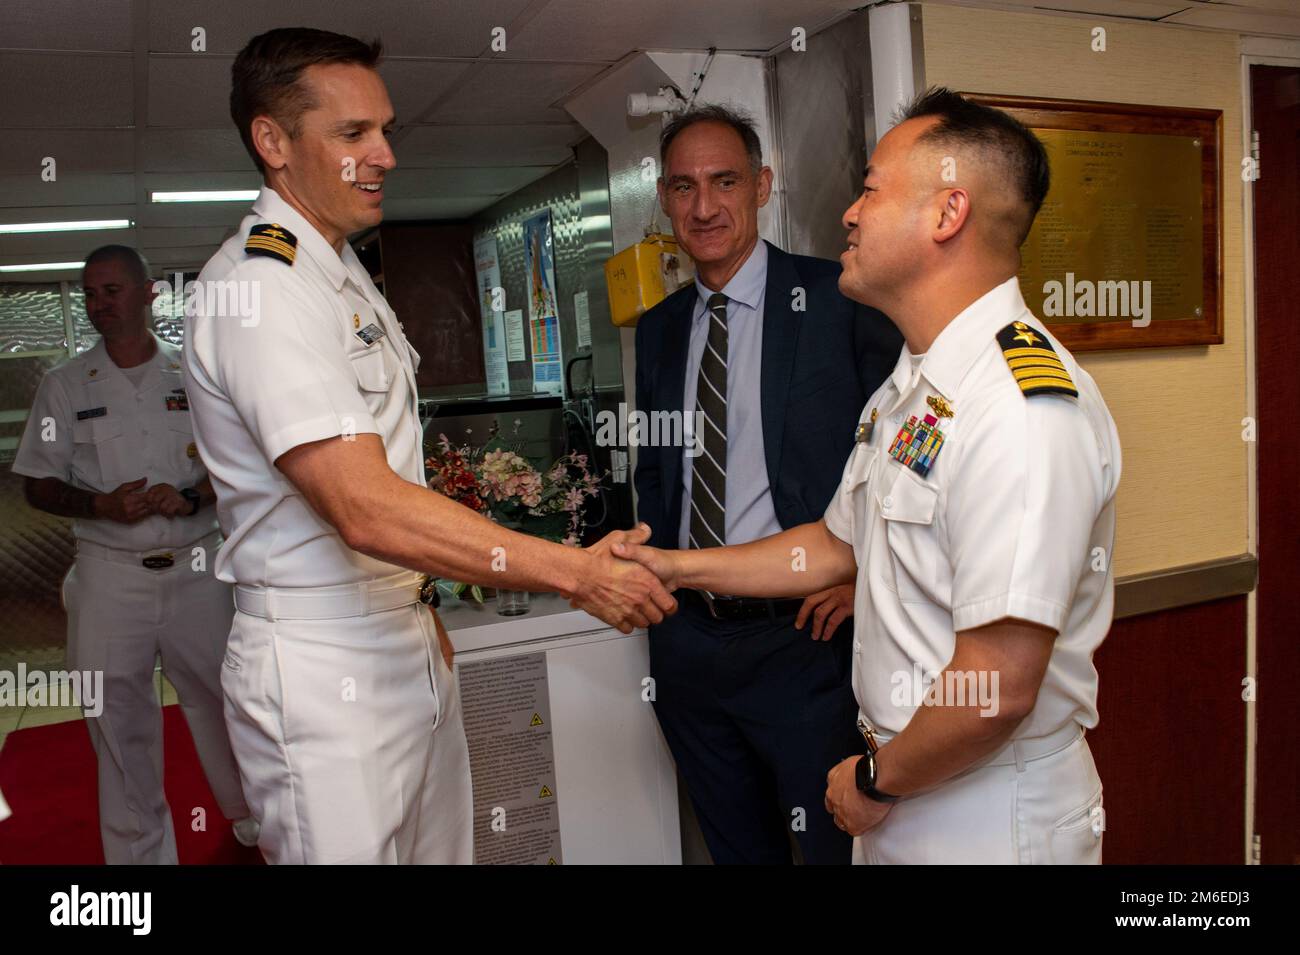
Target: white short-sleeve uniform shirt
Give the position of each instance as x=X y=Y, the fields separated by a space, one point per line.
x=281 y=354
x=1015 y=518
x=93 y=428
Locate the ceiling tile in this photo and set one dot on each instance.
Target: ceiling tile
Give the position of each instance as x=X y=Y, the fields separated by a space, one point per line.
x=488 y=145
x=195 y=150
x=189 y=91
x=604 y=30
x=74 y=151
x=407 y=27
x=414 y=84
x=504 y=92
x=66 y=24
x=71 y=89
x=18 y=193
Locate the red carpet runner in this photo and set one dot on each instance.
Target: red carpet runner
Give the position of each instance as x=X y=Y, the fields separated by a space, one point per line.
x=47 y=775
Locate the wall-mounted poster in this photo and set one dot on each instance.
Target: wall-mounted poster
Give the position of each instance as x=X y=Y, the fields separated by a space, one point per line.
x=543 y=305
x=487 y=272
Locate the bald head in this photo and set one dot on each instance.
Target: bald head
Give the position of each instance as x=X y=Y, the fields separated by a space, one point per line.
x=132 y=263
x=118 y=292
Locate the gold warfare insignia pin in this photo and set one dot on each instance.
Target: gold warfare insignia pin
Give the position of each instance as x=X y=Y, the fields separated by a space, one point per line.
x=939 y=406
x=192 y=450
x=1034 y=363
x=93 y=372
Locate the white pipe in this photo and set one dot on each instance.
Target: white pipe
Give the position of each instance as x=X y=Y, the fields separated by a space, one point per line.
x=894 y=67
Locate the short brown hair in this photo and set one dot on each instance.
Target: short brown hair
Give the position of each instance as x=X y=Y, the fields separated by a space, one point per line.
x=266 y=77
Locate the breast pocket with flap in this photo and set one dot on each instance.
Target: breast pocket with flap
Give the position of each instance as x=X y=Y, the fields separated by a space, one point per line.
x=373 y=367
x=99 y=457
x=908 y=505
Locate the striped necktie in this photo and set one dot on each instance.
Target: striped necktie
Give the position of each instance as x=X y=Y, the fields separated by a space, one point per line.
x=709 y=474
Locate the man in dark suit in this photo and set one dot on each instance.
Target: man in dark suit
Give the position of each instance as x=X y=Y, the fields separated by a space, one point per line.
x=775 y=365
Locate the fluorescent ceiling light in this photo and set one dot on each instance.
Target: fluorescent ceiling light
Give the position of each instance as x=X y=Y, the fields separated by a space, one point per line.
x=41 y=267
x=81 y=225
x=210 y=195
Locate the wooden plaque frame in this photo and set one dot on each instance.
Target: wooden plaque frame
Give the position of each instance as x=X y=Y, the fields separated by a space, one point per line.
x=1206 y=125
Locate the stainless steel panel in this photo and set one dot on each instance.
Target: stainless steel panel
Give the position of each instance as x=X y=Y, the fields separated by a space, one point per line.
x=823 y=97
x=557 y=191
x=598 y=243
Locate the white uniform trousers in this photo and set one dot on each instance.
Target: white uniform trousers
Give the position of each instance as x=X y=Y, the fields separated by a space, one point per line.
x=1007 y=811
x=349 y=738
x=121 y=618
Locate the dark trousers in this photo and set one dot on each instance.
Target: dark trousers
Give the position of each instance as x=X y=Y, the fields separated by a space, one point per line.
x=755 y=714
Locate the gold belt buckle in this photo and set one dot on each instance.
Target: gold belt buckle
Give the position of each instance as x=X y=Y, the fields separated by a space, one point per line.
x=869 y=734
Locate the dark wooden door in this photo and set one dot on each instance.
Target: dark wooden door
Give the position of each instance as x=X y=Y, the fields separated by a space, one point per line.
x=1275 y=107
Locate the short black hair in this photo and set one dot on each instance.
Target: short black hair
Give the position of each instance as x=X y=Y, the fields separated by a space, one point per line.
x=715 y=113
x=131 y=258
x=1000 y=136
x=265 y=80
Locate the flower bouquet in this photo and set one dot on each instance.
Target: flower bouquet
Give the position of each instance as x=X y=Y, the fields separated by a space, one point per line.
x=501 y=484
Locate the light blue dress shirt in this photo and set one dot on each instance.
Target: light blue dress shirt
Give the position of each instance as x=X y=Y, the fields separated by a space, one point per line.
x=750 y=513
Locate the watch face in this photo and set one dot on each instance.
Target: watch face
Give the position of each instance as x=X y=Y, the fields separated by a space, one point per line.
x=429 y=592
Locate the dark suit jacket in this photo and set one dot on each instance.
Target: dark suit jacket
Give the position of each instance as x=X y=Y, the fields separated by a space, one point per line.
x=819 y=367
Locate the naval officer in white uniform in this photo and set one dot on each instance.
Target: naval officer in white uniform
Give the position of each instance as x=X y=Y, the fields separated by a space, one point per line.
x=342 y=710
x=109 y=443
x=976 y=513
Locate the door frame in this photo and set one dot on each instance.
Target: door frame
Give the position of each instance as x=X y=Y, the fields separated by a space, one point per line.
x=1255 y=51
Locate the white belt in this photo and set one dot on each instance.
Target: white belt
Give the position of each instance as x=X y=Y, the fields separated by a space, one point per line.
x=1018 y=751
x=178 y=554
x=328 y=603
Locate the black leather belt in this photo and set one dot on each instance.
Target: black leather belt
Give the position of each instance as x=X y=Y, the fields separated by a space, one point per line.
x=743 y=608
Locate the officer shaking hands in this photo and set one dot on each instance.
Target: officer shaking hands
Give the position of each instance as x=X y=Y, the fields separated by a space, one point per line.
x=976 y=514
x=109 y=444
x=343 y=712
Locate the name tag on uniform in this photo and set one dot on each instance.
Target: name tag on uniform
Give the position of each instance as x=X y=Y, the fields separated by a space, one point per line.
x=158 y=561
x=370 y=334
x=91 y=413
x=863 y=433
x=178 y=400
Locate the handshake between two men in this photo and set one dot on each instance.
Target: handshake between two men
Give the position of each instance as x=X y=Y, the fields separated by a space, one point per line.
x=633 y=584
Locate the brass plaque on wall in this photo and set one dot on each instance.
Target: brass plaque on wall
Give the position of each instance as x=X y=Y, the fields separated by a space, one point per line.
x=1125 y=252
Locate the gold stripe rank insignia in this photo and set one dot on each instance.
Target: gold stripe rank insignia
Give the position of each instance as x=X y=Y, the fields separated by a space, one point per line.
x=1034 y=363
x=272 y=239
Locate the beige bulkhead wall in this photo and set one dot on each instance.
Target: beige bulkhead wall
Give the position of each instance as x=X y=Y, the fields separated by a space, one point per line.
x=1183 y=495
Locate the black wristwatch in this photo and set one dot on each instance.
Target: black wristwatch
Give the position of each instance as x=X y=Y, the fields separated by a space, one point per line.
x=865 y=776
x=429 y=593
x=192 y=496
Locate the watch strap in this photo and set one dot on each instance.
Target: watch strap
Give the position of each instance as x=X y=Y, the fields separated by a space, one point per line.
x=196 y=501
x=865 y=777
